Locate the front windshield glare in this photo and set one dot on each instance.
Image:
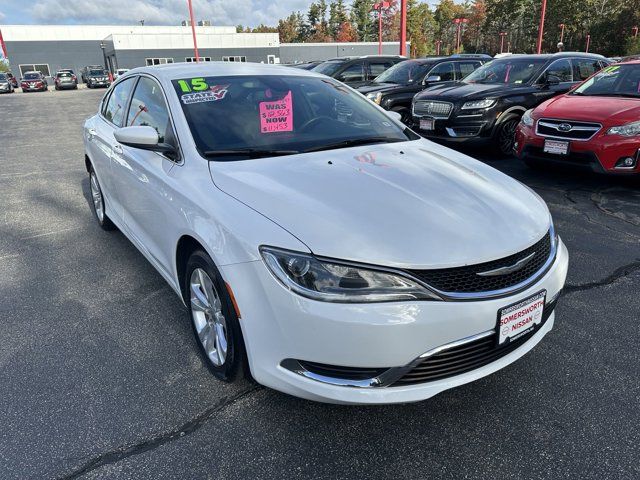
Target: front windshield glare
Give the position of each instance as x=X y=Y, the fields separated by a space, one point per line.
x=279 y=115
x=509 y=71
x=614 y=81
x=403 y=73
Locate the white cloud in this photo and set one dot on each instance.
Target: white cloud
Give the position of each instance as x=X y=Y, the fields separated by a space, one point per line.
x=165 y=12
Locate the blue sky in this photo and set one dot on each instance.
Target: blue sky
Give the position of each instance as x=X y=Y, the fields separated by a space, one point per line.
x=154 y=12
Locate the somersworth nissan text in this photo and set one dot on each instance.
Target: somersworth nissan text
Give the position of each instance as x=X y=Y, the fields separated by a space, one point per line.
x=321 y=246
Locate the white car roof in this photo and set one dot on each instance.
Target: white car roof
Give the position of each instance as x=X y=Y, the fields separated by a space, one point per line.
x=173 y=71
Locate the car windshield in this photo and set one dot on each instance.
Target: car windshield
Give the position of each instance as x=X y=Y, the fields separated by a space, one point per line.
x=614 y=81
x=508 y=70
x=328 y=68
x=96 y=72
x=404 y=73
x=239 y=117
x=32 y=76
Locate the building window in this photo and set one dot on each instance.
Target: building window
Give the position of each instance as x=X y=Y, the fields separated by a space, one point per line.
x=193 y=59
x=158 y=61
x=43 y=68
x=236 y=58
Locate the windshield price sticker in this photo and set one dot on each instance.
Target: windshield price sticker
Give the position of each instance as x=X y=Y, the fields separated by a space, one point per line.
x=277 y=116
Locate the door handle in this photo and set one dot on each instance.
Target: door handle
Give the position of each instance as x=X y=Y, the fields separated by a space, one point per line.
x=117 y=149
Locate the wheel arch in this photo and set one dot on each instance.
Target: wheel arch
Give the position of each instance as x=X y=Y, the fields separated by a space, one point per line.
x=87 y=163
x=511 y=112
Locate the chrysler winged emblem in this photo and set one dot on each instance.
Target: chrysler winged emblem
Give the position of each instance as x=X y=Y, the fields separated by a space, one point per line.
x=510 y=269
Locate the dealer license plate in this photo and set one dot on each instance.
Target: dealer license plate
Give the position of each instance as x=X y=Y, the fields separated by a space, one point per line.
x=426 y=124
x=556 y=147
x=521 y=318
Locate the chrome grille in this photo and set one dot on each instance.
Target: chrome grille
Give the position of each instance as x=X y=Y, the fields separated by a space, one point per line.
x=433 y=109
x=567 y=129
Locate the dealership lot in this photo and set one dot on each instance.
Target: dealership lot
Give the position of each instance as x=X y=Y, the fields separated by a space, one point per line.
x=101 y=377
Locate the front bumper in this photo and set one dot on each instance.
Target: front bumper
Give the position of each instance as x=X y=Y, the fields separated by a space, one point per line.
x=599 y=154
x=473 y=126
x=278 y=325
x=5 y=88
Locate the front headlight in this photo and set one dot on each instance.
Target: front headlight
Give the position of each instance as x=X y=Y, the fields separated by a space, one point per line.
x=375 y=97
x=475 y=104
x=527 y=119
x=628 y=130
x=330 y=281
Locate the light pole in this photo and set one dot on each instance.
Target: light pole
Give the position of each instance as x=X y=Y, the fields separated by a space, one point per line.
x=502 y=35
x=403 y=27
x=438 y=43
x=379 y=7
x=543 y=11
x=193 y=32
x=459 y=22
x=562 y=25
x=588 y=42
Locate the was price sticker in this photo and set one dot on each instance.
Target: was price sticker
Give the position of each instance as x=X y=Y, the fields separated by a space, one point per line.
x=277 y=116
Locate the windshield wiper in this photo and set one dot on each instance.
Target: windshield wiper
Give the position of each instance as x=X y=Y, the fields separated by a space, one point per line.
x=352 y=143
x=248 y=152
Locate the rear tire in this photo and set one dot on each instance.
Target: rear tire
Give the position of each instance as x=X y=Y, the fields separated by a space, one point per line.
x=213 y=318
x=97 y=200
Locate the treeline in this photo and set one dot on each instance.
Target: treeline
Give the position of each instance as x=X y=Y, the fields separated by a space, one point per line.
x=608 y=22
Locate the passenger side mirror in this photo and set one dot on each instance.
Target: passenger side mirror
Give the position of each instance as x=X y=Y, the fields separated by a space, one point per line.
x=551 y=80
x=144 y=138
x=431 y=79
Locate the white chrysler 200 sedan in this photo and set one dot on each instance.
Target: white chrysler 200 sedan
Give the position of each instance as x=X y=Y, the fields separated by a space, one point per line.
x=321 y=246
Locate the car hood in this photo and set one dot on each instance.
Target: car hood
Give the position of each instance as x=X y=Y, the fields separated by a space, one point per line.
x=408 y=205
x=470 y=91
x=604 y=110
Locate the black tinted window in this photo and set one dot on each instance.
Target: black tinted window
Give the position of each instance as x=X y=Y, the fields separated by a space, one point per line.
x=583 y=68
x=116 y=105
x=560 y=69
x=352 y=73
x=149 y=108
x=32 y=76
x=378 y=67
x=467 y=67
x=444 y=71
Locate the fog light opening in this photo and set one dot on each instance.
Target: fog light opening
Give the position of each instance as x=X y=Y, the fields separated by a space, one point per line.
x=626 y=163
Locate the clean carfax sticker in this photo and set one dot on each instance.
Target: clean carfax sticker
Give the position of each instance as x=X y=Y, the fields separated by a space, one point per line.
x=215 y=93
x=277 y=116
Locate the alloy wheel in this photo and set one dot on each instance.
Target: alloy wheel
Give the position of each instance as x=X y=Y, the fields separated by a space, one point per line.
x=207 y=316
x=96 y=195
x=507 y=136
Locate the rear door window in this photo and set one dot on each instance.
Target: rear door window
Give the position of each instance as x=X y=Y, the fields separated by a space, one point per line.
x=560 y=69
x=465 y=68
x=353 y=73
x=148 y=107
x=376 y=68
x=583 y=68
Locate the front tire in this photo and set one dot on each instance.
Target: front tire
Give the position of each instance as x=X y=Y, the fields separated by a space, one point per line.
x=215 y=324
x=505 y=136
x=98 y=202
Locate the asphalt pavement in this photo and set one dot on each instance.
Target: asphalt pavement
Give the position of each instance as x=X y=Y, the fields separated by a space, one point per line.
x=100 y=376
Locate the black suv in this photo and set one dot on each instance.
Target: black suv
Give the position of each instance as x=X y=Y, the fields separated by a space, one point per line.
x=395 y=88
x=487 y=105
x=357 y=71
x=97 y=77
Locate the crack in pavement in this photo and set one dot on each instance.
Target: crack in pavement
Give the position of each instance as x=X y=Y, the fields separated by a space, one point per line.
x=599 y=200
x=124 y=451
x=617 y=274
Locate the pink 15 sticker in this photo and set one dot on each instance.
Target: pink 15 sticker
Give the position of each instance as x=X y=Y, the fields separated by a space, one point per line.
x=277 y=116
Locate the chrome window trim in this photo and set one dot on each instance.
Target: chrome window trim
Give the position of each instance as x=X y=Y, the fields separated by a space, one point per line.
x=544 y=122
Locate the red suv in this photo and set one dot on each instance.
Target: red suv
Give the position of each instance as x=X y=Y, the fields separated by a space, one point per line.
x=596 y=125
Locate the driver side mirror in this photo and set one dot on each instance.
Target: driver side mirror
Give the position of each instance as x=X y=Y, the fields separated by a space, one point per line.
x=397 y=116
x=431 y=79
x=144 y=137
x=551 y=80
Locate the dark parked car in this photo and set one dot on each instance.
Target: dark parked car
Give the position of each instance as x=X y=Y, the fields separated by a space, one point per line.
x=65 y=79
x=5 y=83
x=487 y=105
x=304 y=66
x=33 y=82
x=357 y=71
x=97 y=77
x=12 y=79
x=84 y=73
x=395 y=88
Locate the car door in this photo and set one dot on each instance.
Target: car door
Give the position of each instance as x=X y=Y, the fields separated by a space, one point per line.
x=445 y=70
x=583 y=68
x=100 y=142
x=353 y=75
x=143 y=177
